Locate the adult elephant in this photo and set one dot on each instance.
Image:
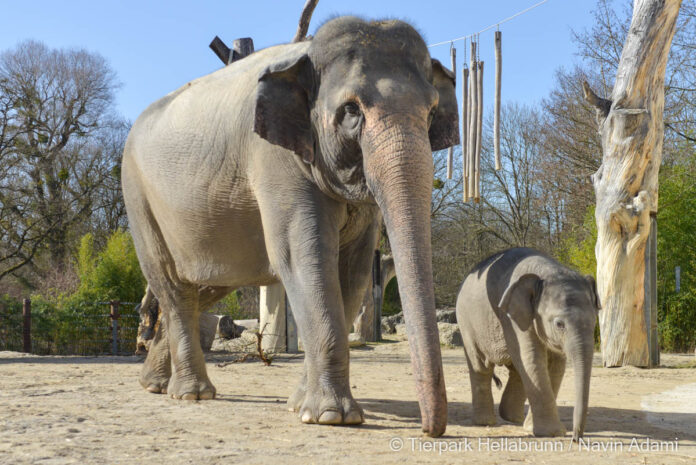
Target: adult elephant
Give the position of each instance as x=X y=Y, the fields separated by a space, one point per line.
x=277 y=167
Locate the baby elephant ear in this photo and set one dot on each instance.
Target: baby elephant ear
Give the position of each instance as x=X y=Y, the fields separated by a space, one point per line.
x=283 y=98
x=444 y=129
x=593 y=289
x=521 y=298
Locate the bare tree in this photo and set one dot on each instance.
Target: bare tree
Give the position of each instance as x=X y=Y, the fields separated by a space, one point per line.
x=58 y=149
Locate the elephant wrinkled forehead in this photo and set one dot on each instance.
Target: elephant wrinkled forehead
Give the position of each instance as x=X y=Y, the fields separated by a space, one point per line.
x=569 y=293
x=387 y=42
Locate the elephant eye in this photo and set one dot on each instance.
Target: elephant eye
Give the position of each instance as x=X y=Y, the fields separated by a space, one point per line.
x=560 y=325
x=351 y=116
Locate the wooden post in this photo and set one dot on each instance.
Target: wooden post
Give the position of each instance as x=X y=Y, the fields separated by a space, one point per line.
x=479 y=133
x=450 y=150
x=496 y=110
x=650 y=302
x=291 y=335
x=626 y=184
x=377 y=293
x=677 y=279
x=114 y=304
x=364 y=323
x=272 y=317
x=473 y=93
x=465 y=131
x=26 y=327
x=240 y=48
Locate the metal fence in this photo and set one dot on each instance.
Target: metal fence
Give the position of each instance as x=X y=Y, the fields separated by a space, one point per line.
x=89 y=328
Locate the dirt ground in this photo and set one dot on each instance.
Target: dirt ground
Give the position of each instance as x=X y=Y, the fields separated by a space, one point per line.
x=60 y=410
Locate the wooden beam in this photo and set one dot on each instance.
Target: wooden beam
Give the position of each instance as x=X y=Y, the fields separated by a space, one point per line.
x=240 y=48
x=626 y=184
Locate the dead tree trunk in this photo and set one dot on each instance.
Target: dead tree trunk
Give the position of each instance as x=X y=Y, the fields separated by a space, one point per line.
x=631 y=128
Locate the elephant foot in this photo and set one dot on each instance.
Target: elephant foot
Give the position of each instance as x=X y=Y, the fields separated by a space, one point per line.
x=153 y=381
x=191 y=389
x=328 y=409
x=544 y=429
x=296 y=400
x=511 y=414
x=484 y=419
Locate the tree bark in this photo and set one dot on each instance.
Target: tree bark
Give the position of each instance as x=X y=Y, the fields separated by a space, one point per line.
x=632 y=129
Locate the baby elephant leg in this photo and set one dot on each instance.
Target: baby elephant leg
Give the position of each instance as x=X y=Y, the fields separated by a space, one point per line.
x=512 y=403
x=481 y=376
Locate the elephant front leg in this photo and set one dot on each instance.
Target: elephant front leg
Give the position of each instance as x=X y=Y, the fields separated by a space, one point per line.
x=157 y=369
x=542 y=418
x=302 y=244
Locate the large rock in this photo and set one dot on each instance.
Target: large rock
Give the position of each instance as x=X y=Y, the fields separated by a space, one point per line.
x=389 y=323
x=449 y=334
x=355 y=340
x=447 y=315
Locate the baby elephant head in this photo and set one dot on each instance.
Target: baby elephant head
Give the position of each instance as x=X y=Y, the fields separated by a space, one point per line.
x=562 y=311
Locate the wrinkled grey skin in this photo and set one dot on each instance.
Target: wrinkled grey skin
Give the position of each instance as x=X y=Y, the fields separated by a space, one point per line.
x=522 y=309
x=278 y=167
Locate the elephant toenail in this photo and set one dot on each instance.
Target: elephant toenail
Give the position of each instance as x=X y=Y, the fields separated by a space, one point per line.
x=331 y=417
x=307 y=417
x=353 y=418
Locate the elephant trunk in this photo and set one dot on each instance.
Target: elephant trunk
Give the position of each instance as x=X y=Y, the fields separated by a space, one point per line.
x=399 y=172
x=582 y=350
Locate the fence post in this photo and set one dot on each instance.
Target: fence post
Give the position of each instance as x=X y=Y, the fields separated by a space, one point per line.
x=114 y=326
x=26 y=327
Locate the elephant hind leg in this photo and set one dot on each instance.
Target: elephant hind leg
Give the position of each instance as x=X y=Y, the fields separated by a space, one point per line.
x=512 y=403
x=157 y=369
x=481 y=377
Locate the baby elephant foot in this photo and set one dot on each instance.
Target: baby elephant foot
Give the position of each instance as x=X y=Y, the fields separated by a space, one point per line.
x=484 y=419
x=330 y=409
x=191 y=389
x=544 y=429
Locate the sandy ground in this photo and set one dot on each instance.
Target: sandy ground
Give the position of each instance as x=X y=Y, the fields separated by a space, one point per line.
x=56 y=410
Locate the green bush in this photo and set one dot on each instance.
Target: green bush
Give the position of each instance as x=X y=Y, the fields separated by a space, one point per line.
x=110 y=274
x=677 y=325
x=392 y=300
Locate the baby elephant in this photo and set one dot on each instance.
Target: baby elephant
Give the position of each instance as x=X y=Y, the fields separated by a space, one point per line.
x=524 y=310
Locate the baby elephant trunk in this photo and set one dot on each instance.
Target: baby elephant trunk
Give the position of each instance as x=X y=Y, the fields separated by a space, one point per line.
x=582 y=350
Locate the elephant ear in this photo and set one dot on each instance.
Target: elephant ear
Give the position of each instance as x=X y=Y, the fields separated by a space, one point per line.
x=593 y=291
x=444 y=129
x=283 y=99
x=521 y=298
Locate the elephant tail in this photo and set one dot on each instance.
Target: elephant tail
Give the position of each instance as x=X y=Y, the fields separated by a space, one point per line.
x=497 y=382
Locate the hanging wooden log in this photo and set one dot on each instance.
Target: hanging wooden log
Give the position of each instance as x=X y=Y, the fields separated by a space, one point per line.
x=465 y=131
x=450 y=150
x=479 y=131
x=496 y=114
x=473 y=93
x=626 y=185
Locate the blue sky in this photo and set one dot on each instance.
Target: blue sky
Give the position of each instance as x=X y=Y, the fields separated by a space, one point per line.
x=157 y=46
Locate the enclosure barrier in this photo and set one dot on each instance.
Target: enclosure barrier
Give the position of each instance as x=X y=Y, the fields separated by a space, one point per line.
x=87 y=328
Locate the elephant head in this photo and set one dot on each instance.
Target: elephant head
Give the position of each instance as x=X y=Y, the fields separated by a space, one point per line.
x=363 y=109
x=563 y=312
